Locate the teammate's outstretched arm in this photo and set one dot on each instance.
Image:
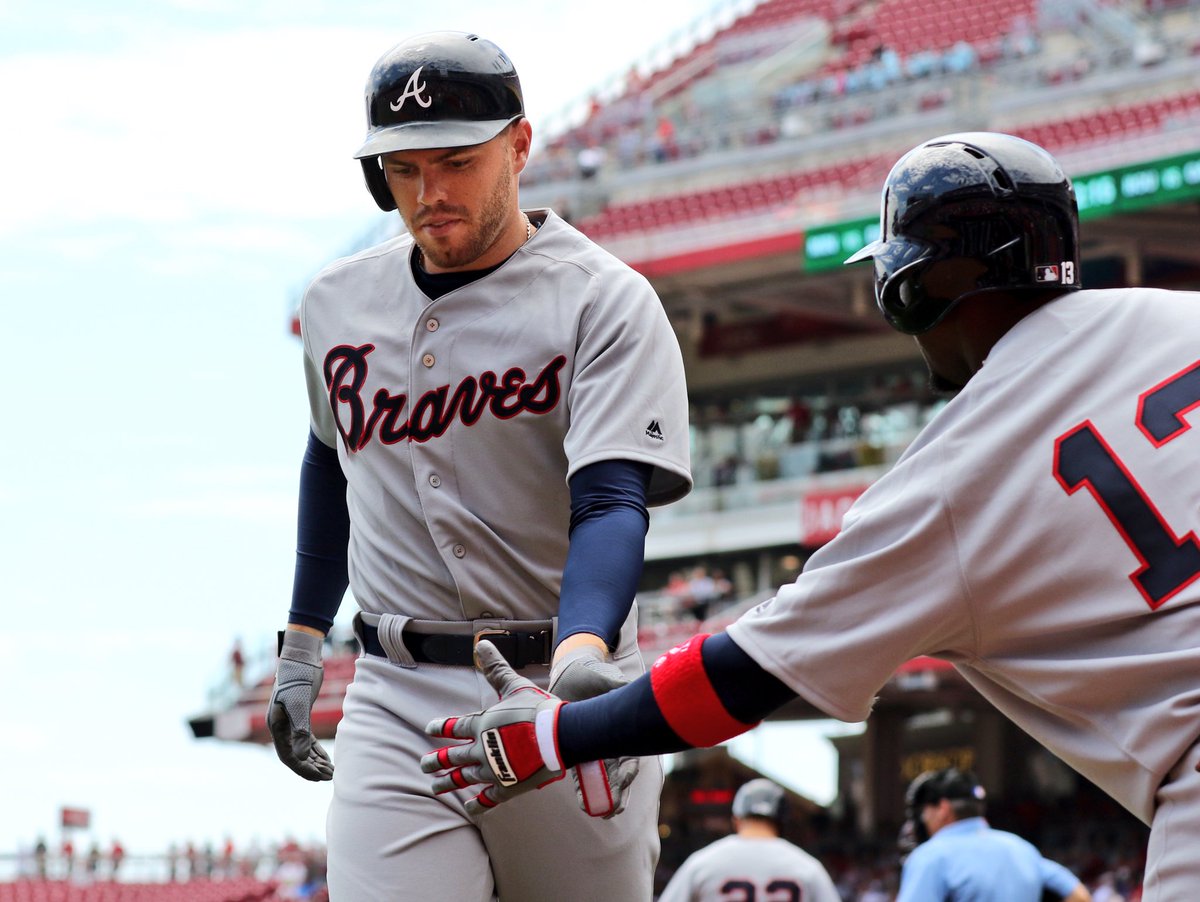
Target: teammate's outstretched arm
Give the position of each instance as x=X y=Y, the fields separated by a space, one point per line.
x=698 y=694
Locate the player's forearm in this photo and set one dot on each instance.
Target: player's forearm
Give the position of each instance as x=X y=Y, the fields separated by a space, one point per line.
x=700 y=694
x=608 y=543
x=322 y=537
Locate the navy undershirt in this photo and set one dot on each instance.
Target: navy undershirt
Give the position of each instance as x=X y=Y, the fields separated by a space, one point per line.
x=604 y=559
x=322 y=538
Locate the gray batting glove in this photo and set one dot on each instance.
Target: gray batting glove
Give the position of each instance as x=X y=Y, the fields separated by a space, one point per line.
x=512 y=747
x=289 y=713
x=585 y=672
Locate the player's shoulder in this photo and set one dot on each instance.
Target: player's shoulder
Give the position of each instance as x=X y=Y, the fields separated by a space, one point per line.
x=562 y=244
x=391 y=251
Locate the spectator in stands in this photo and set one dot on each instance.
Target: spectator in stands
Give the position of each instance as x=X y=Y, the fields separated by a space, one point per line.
x=237 y=663
x=116 y=855
x=702 y=590
x=960 y=857
x=93 y=861
x=665 y=148
x=726 y=470
x=722 y=587
x=591 y=159
x=1106 y=889
x=39 y=857
x=67 y=853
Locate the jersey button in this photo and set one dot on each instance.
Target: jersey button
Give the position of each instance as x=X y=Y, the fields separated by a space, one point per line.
x=427 y=360
x=460 y=550
x=431 y=324
x=435 y=480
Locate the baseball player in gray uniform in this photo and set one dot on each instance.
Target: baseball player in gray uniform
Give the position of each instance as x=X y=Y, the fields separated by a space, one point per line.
x=1040 y=532
x=754 y=864
x=495 y=400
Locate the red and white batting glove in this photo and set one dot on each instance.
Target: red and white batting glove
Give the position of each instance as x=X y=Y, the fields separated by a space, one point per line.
x=512 y=747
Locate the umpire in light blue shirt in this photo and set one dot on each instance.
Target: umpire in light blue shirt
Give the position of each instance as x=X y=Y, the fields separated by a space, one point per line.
x=961 y=859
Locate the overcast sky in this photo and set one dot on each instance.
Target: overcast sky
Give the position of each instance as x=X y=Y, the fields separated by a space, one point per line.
x=172 y=173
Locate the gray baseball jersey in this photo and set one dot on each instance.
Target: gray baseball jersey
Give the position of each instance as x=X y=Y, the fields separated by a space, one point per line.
x=457 y=423
x=1040 y=533
x=739 y=869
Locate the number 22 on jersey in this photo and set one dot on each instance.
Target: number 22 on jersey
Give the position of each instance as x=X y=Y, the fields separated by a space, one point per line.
x=1083 y=459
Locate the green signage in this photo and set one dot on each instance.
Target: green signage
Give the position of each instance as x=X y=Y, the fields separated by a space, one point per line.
x=1099 y=194
x=1138 y=187
x=827 y=246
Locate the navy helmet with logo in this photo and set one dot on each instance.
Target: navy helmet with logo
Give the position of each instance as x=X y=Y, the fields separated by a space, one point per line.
x=969 y=213
x=441 y=89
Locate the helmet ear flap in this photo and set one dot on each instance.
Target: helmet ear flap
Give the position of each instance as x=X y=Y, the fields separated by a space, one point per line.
x=377 y=183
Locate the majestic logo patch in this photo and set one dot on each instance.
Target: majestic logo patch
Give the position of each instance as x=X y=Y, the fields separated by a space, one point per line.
x=413 y=89
x=498 y=758
x=504 y=396
x=654 y=430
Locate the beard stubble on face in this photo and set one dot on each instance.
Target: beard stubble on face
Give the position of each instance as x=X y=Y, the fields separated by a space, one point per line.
x=481 y=235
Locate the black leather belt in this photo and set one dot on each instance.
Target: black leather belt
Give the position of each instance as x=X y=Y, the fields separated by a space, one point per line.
x=517 y=646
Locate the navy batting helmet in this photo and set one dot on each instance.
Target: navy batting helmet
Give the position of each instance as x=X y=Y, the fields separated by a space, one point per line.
x=760 y=798
x=442 y=89
x=931 y=787
x=969 y=213
x=950 y=783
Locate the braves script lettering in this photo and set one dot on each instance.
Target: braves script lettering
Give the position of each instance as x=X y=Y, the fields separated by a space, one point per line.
x=432 y=413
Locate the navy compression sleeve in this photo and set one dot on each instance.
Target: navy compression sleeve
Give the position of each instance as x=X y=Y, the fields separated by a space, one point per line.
x=607 y=549
x=322 y=538
x=631 y=720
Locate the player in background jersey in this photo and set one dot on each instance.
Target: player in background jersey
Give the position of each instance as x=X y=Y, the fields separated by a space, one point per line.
x=754 y=862
x=960 y=857
x=1040 y=533
x=495 y=400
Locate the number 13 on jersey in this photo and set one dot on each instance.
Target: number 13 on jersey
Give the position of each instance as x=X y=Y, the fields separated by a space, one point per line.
x=1083 y=459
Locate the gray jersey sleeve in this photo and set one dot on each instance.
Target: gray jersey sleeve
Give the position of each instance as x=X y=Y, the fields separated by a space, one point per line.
x=628 y=396
x=320 y=415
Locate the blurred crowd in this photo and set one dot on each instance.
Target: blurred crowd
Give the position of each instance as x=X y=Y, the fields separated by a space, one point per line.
x=297 y=871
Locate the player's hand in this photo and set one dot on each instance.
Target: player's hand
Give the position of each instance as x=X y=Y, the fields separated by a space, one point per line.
x=585 y=672
x=289 y=713
x=512 y=746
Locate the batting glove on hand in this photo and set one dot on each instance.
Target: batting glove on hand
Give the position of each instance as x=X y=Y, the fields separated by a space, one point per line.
x=512 y=747
x=583 y=673
x=289 y=713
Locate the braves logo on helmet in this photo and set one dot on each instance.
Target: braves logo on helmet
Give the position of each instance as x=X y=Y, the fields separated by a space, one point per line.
x=414 y=88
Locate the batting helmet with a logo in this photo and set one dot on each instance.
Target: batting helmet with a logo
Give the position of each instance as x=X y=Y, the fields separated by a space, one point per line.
x=441 y=89
x=970 y=213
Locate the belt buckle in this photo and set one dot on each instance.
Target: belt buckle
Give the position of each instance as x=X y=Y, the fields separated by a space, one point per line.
x=483 y=634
